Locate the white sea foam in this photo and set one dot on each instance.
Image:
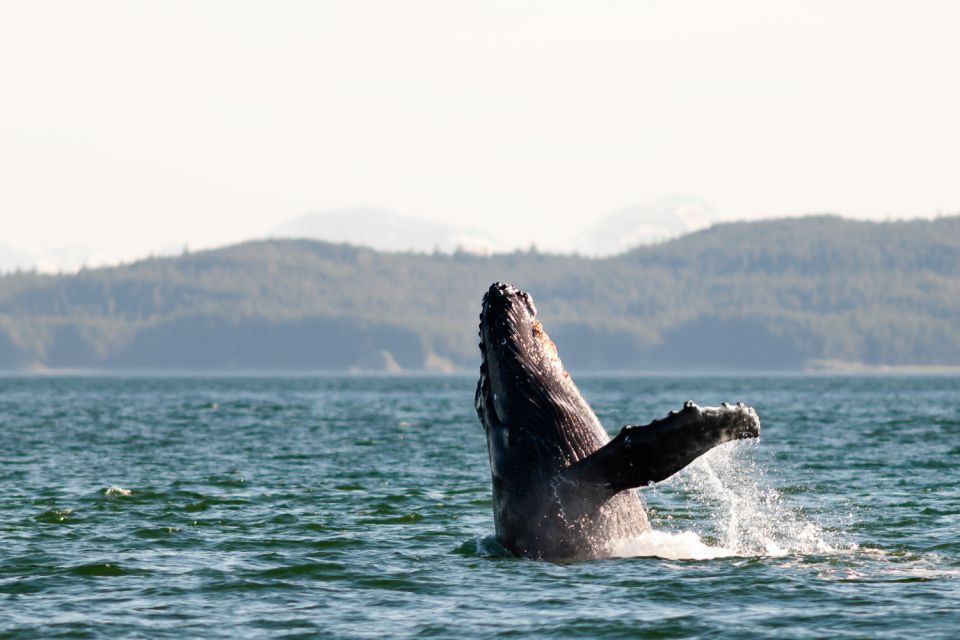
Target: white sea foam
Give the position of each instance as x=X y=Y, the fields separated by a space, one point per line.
x=114 y=491
x=669 y=545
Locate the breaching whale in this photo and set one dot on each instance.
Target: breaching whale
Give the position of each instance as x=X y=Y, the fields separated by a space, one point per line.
x=560 y=484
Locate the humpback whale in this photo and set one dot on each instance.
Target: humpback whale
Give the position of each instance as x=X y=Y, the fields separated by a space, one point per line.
x=561 y=486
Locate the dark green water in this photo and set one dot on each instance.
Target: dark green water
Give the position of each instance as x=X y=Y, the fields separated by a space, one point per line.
x=360 y=507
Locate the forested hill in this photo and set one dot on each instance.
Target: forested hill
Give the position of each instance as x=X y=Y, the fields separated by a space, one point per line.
x=775 y=294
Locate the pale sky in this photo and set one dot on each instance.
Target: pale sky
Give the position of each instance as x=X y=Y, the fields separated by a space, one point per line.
x=135 y=126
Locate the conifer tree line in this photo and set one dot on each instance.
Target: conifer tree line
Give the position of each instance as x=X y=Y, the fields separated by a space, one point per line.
x=779 y=294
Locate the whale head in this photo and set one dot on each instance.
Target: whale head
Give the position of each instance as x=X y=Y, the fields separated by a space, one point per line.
x=522 y=380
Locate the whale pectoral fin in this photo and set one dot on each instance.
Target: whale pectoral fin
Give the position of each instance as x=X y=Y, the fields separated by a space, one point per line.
x=640 y=455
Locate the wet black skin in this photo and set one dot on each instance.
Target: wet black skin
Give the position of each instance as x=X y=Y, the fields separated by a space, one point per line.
x=560 y=484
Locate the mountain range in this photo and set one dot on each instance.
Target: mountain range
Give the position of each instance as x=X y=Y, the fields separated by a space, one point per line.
x=385 y=230
x=779 y=294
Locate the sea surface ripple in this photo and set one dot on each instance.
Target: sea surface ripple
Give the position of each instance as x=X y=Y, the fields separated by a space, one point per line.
x=354 y=507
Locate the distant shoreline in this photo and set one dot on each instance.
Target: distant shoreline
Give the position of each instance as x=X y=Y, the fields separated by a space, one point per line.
x=849 y=369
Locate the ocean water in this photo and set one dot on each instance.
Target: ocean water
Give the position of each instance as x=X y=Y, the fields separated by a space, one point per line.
x=313 y=506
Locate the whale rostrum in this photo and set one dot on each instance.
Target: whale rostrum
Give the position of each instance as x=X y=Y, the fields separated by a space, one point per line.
x=561 y=486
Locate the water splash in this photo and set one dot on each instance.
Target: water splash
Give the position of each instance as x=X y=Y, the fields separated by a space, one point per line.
x=724 y=495
x=752 y=517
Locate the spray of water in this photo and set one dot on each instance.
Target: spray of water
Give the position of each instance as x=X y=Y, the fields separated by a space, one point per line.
x=722 y=506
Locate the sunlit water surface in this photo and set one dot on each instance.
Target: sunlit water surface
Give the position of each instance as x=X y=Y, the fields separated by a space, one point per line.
x=360 y=507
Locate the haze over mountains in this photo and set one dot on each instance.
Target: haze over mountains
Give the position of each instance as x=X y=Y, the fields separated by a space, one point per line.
x=385 y=230
x=616 y=232
x=642 y=224
x=779 y=294
x=15 y=257
x=64 y=259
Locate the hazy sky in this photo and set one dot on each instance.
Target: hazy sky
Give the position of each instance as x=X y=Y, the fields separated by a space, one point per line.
x=133 y=126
